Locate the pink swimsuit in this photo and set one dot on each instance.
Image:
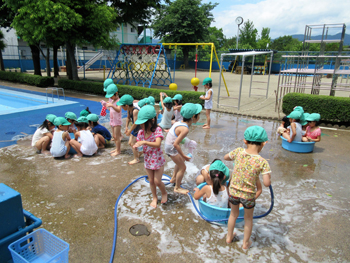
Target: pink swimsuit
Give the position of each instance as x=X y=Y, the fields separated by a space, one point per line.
x=314 y=134
x=115 y=117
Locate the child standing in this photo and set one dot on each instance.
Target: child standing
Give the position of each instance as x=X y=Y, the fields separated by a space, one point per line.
x=126 y=102
x=204 y=176
x=60 y=142
x=248 y=166
x=101 y=135
x=115 y=117
x=43 y=135
x=150 y=137
x=71 y=117
x=216 y=192
x=313 y=132
x=176 y=134
x=177 y=108
x=168 y=112
x=295 y=127
x=87 y=145
x=208 y=100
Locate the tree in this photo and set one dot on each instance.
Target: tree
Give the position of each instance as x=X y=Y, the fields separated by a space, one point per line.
x=286 y=43
x=217 y=37
x=6 y=17
x=264 y=39
x=2 y=46
x=248 y=35
x=184 y=21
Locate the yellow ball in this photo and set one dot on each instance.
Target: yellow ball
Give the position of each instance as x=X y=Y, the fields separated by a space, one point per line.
x=195 y=81
x=173 y=86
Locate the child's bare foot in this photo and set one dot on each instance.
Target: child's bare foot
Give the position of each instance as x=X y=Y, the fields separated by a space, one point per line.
x=78 y=155
x=229 y=239
x=247 y=246
x=67 y=156
x=112 y=139
x=206 y=126
x=115 y=153
x=154 y=202
x=45 y=152
x=134 y=161
x=164 y=199
x=181 y=190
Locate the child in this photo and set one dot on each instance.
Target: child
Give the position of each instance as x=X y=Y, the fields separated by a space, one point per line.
x=115 y=117
x=313 y=132
x=168 y=112
x=143 y=102
x=126 y=102
x=71 y=117
x=204 y=176
x=150 y=137
x=248 y=166
x=176 y=134
x=151 y=100
x=216 y=192
x=43 y=135
x=85 y=112
x=177 y=108
x=87 y=145
x=208 y=104
x=101 y=135
x=60 y=142
x=284 y=125
x=295 y=127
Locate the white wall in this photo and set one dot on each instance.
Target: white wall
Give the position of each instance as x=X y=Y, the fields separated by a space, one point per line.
x=11 y=40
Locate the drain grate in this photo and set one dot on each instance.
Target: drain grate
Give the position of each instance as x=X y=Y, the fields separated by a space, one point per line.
x=139 y=230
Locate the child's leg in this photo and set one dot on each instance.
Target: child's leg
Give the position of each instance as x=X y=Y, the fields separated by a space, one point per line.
x=158 y=174
x=231 y=223
x=207 y=125
x=286 y=135
x=100 y=141
x=132 y=141
x=179 y=161
x=68 y=148
x=43 y=144
x=173 y=179
x=150 y=174
x=116 y=133
x=248 y=227
x=113 y=137
x=76 y=146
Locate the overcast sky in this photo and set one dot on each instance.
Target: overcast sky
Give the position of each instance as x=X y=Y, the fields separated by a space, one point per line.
x=283 y=17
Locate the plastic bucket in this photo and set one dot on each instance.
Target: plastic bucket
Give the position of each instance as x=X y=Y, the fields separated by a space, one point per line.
x=298 y=147
x=216 y=213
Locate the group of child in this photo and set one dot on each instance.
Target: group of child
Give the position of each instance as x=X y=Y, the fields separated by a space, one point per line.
x=300 y=126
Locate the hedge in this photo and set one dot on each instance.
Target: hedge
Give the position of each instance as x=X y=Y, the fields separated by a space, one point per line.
x=332 y=109
x=25 y=78
x=136 y=92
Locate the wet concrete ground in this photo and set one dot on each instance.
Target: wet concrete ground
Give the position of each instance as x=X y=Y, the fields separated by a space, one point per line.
x=75 y=198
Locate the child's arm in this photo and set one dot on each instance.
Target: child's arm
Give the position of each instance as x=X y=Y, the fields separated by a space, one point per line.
x=258 y=189
x=204 y=191
x=155 y=144
x=48 y=134
x=66 y=136
x=127 y=122
x=177 y=107
x=161 y=99
x=183 y=133
x=115 y=107
x=76 y=135
x=293 y=126
x=267 y=179
x=206 y=98
x=133 y=125
x=318 y=139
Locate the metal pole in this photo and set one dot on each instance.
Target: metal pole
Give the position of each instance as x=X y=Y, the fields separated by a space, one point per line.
x=268 y=79
x=84 y=70
x=240 y=85
x=220 y=80
x=251 y=76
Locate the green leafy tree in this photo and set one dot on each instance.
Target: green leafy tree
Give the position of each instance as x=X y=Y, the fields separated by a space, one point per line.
x=286 y=43
x=264 y=39
x=184 y=21
x=229 y=43
x=248 y=35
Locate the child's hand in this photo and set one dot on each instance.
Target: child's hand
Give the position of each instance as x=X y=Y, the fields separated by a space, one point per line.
x=138 y=144
x=108 y=105
x=127 y=132
x=187 y=158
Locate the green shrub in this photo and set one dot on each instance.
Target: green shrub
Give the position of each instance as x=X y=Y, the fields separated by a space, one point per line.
x=332 y=109
x=25 y=78
x=136 y=92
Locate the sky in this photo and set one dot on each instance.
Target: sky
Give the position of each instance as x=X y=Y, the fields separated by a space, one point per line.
x=283 y=17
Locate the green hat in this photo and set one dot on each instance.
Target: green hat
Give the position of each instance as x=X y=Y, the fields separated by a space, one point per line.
x=295 y=115
x=111 y=90
x=61 y=121
x=207 y=80
x=70 y=115
x=167 y=100
x=177 y=97
x=50 y=117
x=255 y=134
x=143 y=102
x=313 y=117
x=82 y=119
x=92 y=117
x=84 y=113
x=298 y=108
x=146 y=113
x=125 y=100
x=152 y=101
x=107 y=83
x=220 y=166
x=189 y=110
x=303 y=120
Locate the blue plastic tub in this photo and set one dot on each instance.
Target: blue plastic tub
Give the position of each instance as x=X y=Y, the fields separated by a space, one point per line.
x=298 y=147
x=215 y=213
x=39 y=247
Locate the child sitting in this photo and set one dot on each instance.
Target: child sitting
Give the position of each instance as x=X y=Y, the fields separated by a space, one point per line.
x=60 y=142
x=177 y=108
x=215 y=193
x=87 y=145
x=313 y=132
x=204 y=176
x=248 y=166
x=304 y=123
x=295 y=127
x=43 y=135
x=284 y=125
x=71 y=117
x=101 y=135
x=168 y=112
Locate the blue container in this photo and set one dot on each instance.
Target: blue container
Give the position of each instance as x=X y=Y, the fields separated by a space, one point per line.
x=215 y=213
x=298 y=147
x=39 y=247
